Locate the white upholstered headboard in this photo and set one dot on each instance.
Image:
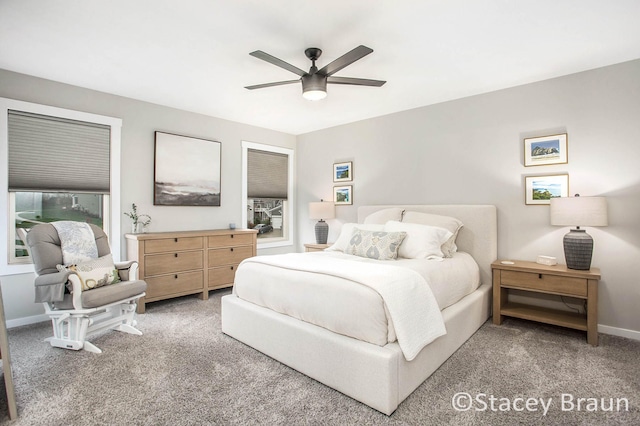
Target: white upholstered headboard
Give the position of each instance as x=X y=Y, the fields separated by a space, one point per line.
x=478 y=236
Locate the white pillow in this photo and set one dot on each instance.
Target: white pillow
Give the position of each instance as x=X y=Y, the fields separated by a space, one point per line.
x=422 y=241
x=342 y=242
x=450 y=223
x=383 y=216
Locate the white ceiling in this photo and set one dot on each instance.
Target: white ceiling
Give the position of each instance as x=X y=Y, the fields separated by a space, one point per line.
x=194 y=54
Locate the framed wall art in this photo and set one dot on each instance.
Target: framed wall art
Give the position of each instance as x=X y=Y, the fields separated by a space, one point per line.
x=545 y=150
x=343 y=172
x=187 y=171
x=342 y=195
x=539 y=190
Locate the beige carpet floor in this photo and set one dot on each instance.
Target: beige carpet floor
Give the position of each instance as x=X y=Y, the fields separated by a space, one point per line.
x=184 y=371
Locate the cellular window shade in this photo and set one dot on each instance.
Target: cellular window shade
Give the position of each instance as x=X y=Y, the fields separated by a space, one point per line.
x=51 y=154
x=267 y=175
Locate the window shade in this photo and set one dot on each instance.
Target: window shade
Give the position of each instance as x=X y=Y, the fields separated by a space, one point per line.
x=267 y=175
x=50 y=154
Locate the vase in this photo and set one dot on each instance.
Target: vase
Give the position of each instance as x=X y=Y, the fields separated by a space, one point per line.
x=137 y=228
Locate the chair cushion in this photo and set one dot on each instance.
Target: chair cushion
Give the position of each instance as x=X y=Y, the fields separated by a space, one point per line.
x=112 y=293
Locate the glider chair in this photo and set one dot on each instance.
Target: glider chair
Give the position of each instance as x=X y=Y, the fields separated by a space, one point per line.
x=82 y=297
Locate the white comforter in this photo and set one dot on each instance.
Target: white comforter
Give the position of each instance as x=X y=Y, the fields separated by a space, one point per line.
x=386 y=290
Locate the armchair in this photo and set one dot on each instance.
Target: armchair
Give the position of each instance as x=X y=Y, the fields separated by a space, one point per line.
x=74 y=312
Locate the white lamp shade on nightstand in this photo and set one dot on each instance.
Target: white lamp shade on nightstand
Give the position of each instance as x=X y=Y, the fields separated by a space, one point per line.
x=322 y=210
x=578 y=211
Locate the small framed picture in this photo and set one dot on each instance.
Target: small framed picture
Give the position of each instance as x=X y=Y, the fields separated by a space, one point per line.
x=545 y=150
x=539 y=190
x=343 y=172
x=342 y=195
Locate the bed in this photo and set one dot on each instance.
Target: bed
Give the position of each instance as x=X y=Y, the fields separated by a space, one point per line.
x=380 y=375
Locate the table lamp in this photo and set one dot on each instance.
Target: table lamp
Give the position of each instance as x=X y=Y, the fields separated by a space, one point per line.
x=321 y=210
x=578 y=211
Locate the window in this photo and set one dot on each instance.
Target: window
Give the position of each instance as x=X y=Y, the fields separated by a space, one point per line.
x=267 y=190
x=60 y=165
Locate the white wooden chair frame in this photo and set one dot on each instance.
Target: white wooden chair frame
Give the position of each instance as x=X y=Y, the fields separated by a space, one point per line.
x=72 y=326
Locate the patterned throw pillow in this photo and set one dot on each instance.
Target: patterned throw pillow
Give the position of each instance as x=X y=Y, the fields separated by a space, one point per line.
x=375 y=244
x=95 y=273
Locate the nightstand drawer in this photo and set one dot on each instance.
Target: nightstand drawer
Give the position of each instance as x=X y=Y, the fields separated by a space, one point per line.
x=576 y=287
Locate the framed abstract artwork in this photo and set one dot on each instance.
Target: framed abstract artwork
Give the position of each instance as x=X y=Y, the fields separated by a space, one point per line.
x=539 y=190
x=545 y=150
x=342 y=195
x=187 y=171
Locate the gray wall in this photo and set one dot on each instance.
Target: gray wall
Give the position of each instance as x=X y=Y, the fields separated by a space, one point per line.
x=140 y=120
x=470 y=151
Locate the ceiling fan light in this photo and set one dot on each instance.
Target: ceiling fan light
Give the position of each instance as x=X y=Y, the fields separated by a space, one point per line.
x=314 y=87
x=314 y=95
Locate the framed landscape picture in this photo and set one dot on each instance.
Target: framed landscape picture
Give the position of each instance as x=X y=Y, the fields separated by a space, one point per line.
x=539 y=190
x=343 y=172
x=545 y=150
x=342 y=195
x=187 y=171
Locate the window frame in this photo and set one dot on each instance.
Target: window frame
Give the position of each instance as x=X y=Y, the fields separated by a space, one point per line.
x=288 y=238
x=112 y=227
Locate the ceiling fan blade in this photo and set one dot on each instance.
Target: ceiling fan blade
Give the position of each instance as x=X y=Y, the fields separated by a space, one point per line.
x=345 y=60
x=277 y=62
x=277 y=83
x=355 y=81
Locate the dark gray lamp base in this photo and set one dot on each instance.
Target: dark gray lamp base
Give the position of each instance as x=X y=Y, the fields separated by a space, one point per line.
x=322 y=232
x=578 y=249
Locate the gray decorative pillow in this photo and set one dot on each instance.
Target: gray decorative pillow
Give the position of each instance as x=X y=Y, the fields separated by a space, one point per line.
x=375 y=244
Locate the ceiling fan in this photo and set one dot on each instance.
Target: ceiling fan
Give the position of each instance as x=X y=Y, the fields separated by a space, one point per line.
x=314 y=82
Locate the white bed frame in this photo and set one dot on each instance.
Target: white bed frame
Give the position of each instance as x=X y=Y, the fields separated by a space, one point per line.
x=378 y=376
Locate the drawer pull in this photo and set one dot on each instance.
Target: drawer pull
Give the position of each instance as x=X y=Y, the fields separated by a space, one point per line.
x=231 y=248
x=231 y=235
x=232 y=268
x=176 y=277
x=175 y=255
x=175 y=239
x=540 y=276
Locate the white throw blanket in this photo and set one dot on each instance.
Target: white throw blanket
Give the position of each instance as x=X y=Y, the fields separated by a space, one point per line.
x=77 y=240
x=413 y=308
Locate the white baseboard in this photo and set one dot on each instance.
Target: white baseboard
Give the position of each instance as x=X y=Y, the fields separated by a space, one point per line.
x=621 y=332
x=27 y=320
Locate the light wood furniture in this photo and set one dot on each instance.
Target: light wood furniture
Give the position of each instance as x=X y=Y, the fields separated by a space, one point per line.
x=558 y=280
x=6 y=365
x=189 y=262
x=315 y=247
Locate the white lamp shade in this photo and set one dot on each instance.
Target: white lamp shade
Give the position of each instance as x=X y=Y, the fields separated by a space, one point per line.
x=579 y=211
x=322 y=210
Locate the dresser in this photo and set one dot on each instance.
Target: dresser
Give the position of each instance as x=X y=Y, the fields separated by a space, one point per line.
x=188 y=262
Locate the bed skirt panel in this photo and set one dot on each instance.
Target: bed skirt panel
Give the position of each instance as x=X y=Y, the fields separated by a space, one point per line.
x=361 y=370
x=379 y=377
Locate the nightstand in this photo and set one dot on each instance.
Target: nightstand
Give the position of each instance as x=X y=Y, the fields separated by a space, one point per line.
x=315 y=247
x=558 y=280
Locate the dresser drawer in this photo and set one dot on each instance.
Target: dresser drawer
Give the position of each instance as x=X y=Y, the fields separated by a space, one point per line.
x=174 y=283
x=230 y=240
x=164 y=245
x=222 y=275
x=158 y=264
x=543 y=282
x=230 y=255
